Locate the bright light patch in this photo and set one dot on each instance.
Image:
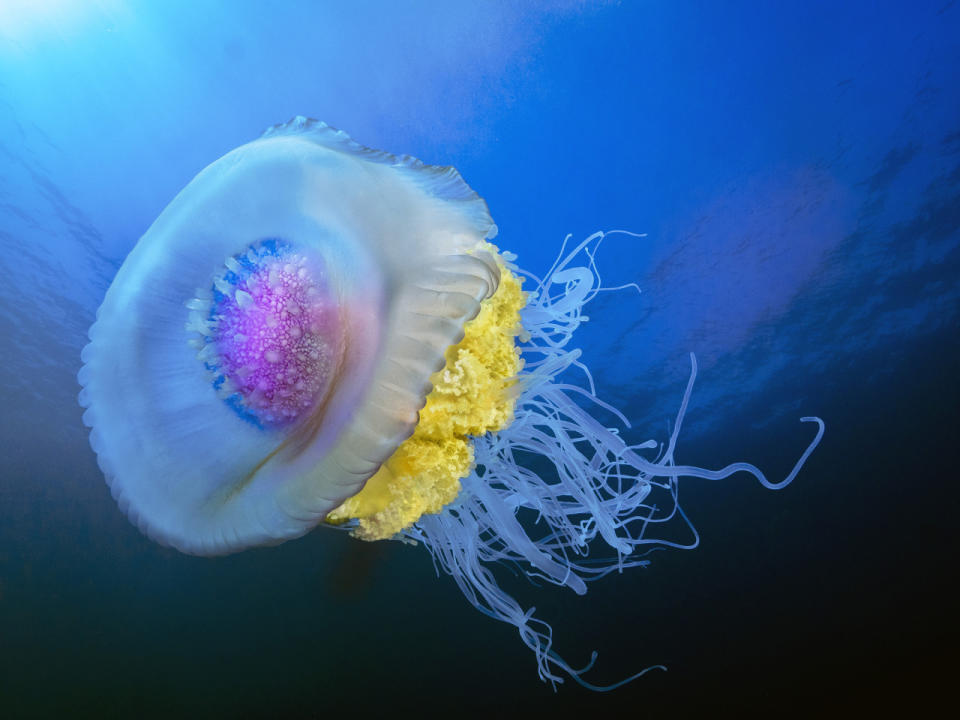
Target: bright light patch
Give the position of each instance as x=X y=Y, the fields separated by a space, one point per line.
x=23 y=22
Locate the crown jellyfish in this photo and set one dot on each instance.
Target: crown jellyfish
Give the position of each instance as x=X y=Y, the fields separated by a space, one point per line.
x=314 y=332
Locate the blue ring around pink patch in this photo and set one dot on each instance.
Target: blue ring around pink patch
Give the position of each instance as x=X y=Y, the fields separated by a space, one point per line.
x=273 y=338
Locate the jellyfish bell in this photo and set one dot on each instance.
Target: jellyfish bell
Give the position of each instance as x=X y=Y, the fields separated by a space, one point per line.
x=313 y=331
x=269 y=341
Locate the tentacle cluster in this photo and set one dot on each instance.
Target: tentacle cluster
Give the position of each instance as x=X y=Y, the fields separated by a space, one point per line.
x=594 y=487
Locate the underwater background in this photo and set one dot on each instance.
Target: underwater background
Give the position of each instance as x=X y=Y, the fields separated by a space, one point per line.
x=796 y=169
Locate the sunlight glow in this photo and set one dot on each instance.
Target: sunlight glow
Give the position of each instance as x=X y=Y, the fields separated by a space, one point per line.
x=24 y=22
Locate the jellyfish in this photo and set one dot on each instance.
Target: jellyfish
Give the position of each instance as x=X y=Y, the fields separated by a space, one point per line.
x=317 y=333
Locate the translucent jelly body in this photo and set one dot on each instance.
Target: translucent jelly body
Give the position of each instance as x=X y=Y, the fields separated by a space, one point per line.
x=275 y=333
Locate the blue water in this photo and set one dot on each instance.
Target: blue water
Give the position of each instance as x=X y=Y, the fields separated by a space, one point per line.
x=796 y=169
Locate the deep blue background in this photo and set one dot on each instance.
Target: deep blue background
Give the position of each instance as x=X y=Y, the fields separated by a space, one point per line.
x=796 y=167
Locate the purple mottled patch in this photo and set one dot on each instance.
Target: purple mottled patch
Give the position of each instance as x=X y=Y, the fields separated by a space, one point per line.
x=276 y=335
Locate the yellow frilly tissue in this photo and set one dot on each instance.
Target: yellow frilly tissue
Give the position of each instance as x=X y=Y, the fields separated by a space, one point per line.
x=470 y=397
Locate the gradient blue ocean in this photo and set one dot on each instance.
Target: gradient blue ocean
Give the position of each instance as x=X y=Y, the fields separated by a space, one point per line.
x=794 y=168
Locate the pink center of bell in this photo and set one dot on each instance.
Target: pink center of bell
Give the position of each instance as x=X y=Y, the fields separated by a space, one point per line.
x=276 y=336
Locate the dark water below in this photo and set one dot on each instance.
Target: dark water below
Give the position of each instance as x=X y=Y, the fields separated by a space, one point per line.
x=830 y=596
